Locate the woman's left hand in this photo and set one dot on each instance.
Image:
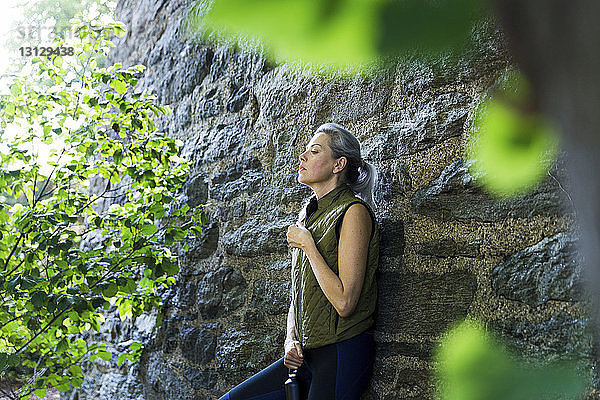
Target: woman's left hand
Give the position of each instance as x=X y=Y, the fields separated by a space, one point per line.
x=300 y=237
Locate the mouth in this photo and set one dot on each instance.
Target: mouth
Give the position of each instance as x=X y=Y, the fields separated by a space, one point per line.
x=301 y=169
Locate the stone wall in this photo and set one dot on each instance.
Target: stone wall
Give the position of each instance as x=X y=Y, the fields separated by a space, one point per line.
x=448 y=249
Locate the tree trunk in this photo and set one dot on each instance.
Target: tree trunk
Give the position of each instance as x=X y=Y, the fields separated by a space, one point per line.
x=557 y=45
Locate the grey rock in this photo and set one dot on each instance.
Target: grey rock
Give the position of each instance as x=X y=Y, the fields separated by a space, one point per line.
x=393 y=181
x=548 y=270
x=423 y=124
x=201 y=378
x=243 y=351
x=455 y=195
x=235 y=172
x=561 y=337
x=221 y=140
x=186 y=295
x=220 y=292
x=243 y=176
x=391 y=237
x=278 y=94
x=423 y=350
x=242 y=120
x=210 y=104
x=167 y=335
x=423 y=304
x=280 y=265
x=182 y=117
x=271 y=298
x=206 y=245
x=445 y=247
x=235 y=210
x=409 y=377
x=196 y=190
x=384 y=370
x=286 y=189
x=108 y=385
x=162 y=383
x=197 y=345
x=257 y=237
x=238 y=99
x=190 y=72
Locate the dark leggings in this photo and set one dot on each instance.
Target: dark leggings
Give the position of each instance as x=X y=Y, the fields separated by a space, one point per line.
x=339 y=371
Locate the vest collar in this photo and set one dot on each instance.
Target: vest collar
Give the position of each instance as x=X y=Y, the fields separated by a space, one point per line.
x=325 y=201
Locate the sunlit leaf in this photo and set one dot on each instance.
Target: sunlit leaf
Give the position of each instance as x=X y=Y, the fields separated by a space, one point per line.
x=15 y=89
x=471 y=364
x=58 y=61
x=118 y=85
x=430 y=26
x=513 y=149
x=339 y=35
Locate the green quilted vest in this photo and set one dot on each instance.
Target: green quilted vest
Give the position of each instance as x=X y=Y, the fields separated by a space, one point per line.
x=317 y=321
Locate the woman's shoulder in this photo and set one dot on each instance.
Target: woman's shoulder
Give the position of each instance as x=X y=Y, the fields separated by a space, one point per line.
x=356 y=208
x=352 y=199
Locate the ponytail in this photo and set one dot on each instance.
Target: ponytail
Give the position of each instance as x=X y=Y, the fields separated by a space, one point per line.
x=364 y=187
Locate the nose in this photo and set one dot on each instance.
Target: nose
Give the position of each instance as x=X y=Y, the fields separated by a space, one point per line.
x=302 y=156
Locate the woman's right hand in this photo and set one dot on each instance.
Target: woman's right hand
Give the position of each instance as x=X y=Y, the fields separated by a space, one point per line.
x=294 y=357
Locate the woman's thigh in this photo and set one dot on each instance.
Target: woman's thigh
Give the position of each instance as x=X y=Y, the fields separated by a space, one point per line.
x=267 y=384
x=342 y=371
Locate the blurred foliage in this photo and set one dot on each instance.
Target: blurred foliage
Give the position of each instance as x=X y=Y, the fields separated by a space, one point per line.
x=473 y=365
x=109 y=176
x=60 y=12
x=337 y=36
x=514 y=146
x=44 y=20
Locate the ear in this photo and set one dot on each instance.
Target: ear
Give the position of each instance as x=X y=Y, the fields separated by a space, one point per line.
x=339 y=165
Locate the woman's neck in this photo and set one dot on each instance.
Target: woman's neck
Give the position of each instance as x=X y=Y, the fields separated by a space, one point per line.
x=325 y=188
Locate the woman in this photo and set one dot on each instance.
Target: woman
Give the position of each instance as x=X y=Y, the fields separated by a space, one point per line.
x=335 y=251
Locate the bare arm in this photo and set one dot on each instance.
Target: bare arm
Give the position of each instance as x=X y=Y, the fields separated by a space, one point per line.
x=343 y=291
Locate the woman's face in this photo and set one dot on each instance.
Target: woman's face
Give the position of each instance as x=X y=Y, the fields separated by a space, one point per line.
x=316 y=162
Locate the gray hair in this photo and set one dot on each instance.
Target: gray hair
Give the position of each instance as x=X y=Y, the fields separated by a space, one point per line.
x=360 y=175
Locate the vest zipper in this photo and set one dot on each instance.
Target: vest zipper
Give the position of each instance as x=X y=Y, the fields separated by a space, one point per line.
x=301 y=289
x=301 y=300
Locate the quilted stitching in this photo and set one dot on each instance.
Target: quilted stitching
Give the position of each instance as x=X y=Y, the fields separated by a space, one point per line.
x=317 y=322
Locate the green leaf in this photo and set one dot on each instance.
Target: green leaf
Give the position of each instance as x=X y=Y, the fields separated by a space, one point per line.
x=513 y=150
x=118 y=85
x=76 y=370
x=121 y=359
x=56 y=278
x=169 y=267
x=471 y=364
x=15 y=89
x=63 y=386
x=61 y=346
x=57 y=61
x=149 y=229
x=38 y=298
x=10 y=109
x=110 y=290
